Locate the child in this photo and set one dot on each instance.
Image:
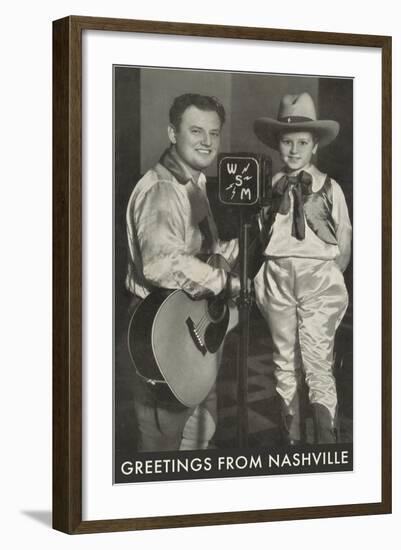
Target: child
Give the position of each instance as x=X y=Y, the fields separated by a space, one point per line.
x=300 y=288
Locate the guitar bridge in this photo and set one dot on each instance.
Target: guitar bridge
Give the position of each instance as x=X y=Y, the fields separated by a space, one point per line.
x=196 y=336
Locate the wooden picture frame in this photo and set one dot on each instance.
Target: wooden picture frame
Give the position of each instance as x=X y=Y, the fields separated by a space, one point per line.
x=67 y=273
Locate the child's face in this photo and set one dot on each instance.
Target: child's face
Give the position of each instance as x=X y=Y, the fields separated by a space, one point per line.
x=296 y=149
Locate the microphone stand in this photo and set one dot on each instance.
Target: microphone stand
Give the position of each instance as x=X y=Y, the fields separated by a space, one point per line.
x=244 y=305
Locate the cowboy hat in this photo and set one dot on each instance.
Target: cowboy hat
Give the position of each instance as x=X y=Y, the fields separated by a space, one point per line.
x=296 y=113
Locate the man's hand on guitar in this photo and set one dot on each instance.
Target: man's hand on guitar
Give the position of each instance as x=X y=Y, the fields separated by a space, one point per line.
x=234 y=286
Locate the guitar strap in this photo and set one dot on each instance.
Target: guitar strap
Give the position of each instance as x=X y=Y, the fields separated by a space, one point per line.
x=202 y=216
x=207 y=243
x=200 y=208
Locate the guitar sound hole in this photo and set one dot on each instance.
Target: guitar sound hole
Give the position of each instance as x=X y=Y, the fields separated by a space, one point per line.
x=216 y=309
x=215 y=332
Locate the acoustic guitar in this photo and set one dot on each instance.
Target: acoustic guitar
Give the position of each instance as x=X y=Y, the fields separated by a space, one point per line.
x=176 y=342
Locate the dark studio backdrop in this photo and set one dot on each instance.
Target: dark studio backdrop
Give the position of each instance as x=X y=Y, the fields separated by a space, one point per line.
x=142 y=98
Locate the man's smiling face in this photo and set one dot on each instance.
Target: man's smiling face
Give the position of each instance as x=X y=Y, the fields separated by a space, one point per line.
x=197 y=139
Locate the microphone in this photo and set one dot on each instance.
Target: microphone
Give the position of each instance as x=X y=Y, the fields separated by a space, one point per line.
x=244 y=179
x=244 y=182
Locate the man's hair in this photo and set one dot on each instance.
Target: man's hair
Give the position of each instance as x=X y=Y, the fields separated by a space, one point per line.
x=202 y=102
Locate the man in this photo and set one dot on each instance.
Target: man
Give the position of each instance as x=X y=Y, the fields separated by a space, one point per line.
x=169 y=222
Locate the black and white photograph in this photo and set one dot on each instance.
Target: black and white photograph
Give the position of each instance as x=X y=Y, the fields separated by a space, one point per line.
x=200 y=277
x=233 y=279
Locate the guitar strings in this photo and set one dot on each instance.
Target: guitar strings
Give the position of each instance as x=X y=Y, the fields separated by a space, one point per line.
x=202 y=322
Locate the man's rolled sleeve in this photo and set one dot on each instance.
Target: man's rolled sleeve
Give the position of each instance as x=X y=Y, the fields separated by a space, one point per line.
x=161 y=230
